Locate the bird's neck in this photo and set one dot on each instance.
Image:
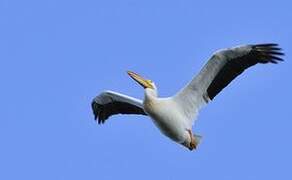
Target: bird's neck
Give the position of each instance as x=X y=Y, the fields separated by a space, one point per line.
x=149 y=100
x=150 y=94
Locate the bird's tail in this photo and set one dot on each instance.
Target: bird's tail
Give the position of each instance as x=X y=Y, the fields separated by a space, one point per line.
x=197 y=139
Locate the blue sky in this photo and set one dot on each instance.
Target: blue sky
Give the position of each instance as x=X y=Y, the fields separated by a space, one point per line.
x=56 y=55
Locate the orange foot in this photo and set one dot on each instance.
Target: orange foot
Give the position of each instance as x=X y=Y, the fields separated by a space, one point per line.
x=193 y=144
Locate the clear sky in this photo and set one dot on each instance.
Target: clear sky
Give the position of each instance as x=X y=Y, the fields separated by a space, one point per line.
x=56 y=55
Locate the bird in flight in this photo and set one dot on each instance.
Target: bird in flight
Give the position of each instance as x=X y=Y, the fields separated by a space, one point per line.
x=175 y=116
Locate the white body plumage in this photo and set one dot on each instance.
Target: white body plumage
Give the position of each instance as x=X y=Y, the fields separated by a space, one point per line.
x=166 y=115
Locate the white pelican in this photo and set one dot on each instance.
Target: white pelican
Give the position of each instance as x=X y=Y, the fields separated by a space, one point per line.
x=175 y=115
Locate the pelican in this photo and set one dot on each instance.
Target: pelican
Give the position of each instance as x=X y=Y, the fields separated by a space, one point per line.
x=174 y=116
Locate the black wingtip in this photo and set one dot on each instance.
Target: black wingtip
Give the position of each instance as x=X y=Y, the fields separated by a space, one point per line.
x=94 y=110
x=270 y=52
x=267 y=45
x=279 y=53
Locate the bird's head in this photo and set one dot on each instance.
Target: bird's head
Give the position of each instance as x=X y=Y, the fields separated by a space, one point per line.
x=147 y=84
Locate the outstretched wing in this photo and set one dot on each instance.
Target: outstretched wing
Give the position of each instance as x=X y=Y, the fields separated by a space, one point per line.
x=221 y=69
x=110 y=103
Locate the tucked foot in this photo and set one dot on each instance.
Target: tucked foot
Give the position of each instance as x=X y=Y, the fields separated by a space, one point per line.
x=195 y=140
